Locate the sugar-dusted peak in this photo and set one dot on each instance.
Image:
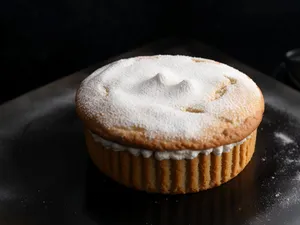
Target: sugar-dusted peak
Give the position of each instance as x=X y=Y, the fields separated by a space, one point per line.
x=177 y=96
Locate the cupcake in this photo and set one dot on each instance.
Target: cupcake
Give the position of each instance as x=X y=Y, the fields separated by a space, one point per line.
x=170 y=124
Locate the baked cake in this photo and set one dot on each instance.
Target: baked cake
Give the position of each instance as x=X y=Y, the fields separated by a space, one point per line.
x=170 y=124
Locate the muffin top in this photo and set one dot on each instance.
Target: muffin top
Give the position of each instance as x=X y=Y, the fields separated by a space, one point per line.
x=167 y=102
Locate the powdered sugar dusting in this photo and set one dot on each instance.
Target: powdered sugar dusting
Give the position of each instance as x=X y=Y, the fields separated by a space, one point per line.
x=297 y=177
x=283 y=138
x=289 y=161
x=177 y=96
x=291 y=199
x=286 y=194
x=292 y=196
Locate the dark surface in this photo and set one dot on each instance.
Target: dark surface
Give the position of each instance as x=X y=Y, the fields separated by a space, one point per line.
x=46 y=176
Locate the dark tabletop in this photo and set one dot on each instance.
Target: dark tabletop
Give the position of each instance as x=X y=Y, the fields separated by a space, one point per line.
x=46 y=176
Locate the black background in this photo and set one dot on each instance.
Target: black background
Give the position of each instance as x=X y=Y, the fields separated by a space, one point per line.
x=45 y=40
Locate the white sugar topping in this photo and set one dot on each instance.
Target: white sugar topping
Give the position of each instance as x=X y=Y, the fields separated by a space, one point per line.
x=283 y=138
x=177 y=96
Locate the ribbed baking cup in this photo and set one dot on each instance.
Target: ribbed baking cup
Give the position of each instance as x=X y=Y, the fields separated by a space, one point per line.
x=171 y=176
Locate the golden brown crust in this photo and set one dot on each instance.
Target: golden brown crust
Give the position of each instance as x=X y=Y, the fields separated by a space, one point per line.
x=171 y=176
x=223 y=133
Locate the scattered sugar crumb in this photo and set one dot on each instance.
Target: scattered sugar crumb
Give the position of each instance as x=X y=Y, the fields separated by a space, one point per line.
x=297 y=177
x=263 y=159
x=273 y=177
x=277 y=194
x=292 y=198
x=283 y=138
x=292 y=161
